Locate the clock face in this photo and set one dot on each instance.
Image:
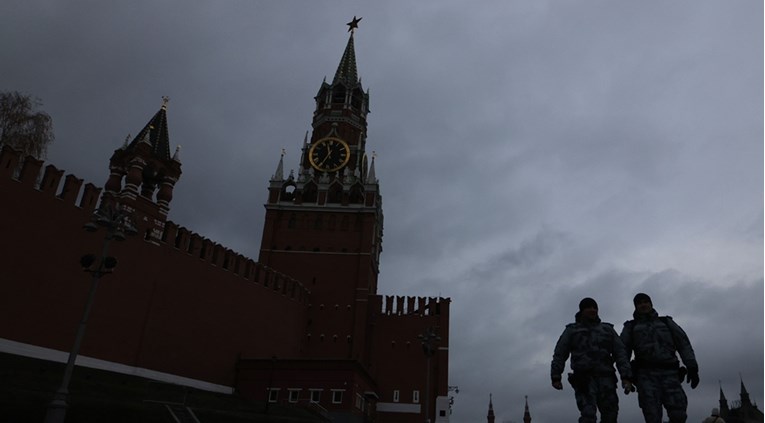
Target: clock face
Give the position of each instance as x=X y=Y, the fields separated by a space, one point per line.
x=329 y=154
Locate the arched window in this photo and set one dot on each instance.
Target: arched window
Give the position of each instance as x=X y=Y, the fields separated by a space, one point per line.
x=357 y=195
x=310 y=193
x=338 y=95
x=357 y=98
x=288 y=192
x=335 y=194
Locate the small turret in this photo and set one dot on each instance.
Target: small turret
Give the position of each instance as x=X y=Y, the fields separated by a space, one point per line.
x=177 y=154
x=371 y=177
x=279 y=173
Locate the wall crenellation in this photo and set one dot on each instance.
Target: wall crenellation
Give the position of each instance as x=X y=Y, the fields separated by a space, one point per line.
x=51 y=179
x=71 y=189
x=226 y=260
x=395 y=305
x=30 y=170
x=26 y=171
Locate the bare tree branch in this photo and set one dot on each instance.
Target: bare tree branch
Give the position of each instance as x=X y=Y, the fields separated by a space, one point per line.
x=22 y=127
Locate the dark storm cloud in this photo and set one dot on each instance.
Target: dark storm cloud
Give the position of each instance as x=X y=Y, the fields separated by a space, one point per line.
x=530 y=153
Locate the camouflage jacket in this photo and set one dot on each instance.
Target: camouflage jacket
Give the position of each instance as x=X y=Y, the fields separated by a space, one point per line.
x=593 y=346
x=655 y=341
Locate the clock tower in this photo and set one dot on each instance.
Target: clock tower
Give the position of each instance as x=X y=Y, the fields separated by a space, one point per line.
x=324 y=225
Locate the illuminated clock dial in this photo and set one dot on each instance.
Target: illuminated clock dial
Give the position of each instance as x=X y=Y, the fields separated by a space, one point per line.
x=329 y=154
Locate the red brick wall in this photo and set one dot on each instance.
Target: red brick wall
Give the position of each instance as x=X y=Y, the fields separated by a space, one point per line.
x=399 y=361
x=335 y=263
x=164 y=308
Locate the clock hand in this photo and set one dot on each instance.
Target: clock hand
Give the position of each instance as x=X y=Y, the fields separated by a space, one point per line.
x=329 y=154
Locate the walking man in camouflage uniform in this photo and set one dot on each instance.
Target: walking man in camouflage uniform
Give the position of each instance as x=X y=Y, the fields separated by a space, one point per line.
x=655 y=341
x=593 y=346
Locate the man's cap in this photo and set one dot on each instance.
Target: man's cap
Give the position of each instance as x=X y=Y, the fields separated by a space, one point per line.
x=641 y=297
x=587 y=303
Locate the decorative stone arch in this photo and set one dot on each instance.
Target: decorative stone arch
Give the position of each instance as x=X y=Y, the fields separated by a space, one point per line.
x=357 y=194
x=338 y=94
x=288 y=192
x=357 y=98
x=335 y=193
x=310 y=193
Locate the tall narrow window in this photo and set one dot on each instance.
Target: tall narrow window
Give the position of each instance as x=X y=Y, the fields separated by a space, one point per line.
x=395 y=395
x=273 y=394
x=416 y=397
x=315 y=395
x=294 y=395
x=337 y=396
x=338 y=95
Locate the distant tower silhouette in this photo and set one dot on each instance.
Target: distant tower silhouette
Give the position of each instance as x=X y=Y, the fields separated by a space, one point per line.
x=490 y=416
x=724 y=410
x=745 y=401
x=526 y=414
x=743 y=411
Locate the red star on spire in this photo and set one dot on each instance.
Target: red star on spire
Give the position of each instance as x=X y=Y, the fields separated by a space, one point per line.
x=353 y=24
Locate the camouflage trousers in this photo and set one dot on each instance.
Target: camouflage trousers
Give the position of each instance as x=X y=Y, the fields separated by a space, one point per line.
x=595 y=393
x=657 y=388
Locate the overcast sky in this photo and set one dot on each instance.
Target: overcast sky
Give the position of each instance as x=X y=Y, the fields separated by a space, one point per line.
x=530 y=153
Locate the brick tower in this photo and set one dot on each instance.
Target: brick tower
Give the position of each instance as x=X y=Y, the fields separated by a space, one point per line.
x=142 y=176
x=325 y=226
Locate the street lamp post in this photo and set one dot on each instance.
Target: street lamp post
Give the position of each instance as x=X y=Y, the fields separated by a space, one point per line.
x=429 y=340
x=117 y=223
x=456 y=390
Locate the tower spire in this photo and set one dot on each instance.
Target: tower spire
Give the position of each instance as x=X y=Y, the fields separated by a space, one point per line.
x=304 y=150
x=279 y=173
x=744 y=394
x=371 y=177
x=723 y=403
x=526 y=413
x=346 y=70
x=155 y=134
x=490 y=415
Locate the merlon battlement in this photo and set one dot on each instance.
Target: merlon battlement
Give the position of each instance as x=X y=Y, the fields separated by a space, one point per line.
x=414 y=306
x=26 y=171
x=195 y=245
